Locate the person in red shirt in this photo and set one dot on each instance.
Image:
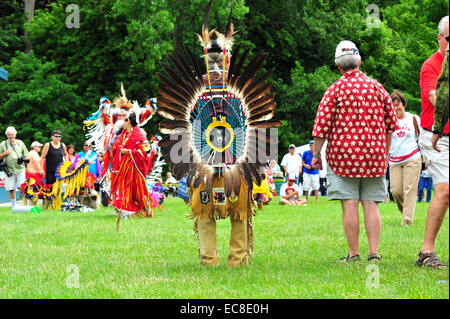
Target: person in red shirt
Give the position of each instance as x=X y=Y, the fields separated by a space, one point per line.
x=357 y=118
x=438 y=163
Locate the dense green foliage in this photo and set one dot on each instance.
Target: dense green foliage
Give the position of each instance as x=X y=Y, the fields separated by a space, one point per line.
x=124 y=40
x=296 y=251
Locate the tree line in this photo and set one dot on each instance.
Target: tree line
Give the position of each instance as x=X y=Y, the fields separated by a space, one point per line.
x=58 y=72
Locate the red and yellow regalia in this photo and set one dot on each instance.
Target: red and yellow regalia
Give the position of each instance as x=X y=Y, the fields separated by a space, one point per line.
x=128 y=188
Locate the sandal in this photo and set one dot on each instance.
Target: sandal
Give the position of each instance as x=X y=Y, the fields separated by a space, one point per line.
x=430 y=260
x=374 y=258
x=347 y=258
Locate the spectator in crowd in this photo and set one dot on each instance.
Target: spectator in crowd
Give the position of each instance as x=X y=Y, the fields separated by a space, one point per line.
x=53 y=154
x=425 y=183
x=310 y=175
x=170 y=189
x=357 y=118
x=182 y=190
x=323 y=183
x=405 y=161
x=12 y=153
x=276 y=170
x=388 y=185
x=290 y=193
x=269 y=175
x=438 y=161
x=34 y=168
x=158 y=187
x=170 y=179
x=91 y=158
x=292 y=163
x=71 y=153
x=100 y=159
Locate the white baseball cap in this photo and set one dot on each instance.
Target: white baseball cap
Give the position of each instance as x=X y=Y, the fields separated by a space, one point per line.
x=35 y=143
x=291 y=177
x=346 y=48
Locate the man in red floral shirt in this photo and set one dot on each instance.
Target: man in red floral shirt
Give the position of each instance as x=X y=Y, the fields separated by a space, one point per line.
x=357 y=118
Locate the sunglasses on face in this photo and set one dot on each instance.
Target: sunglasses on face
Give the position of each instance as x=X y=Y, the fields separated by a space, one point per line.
x=87 y=145
x=57 y=136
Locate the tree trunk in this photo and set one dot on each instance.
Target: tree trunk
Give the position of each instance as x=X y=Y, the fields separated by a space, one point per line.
x=29 y=12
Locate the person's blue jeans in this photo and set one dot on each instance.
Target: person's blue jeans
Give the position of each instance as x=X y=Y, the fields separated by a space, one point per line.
x=425 y=183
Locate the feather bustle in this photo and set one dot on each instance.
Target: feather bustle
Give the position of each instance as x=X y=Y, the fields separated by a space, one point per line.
x=251 y=69
x=246 y=175
x=187 y=75
x=181 y=85
x=266 y=124
x=166 y=95
x=258 y=94
x=194 y=167
x=253 y=86
x=266 y=107
x=236 y=180
x=194 y=62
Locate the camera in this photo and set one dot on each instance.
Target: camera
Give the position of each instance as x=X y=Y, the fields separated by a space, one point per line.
x=4 y=168
x=22 y=160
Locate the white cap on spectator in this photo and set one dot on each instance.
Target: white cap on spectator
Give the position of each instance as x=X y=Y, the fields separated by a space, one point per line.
x=35 y=143
x=346 y=48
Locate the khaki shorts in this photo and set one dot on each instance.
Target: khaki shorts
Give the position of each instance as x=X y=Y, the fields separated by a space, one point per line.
x=437 y=161
x=14 y=182
x=310 y=182
x=370 y=189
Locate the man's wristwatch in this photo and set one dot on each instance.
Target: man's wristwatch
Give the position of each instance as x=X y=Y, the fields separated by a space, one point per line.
x=316 y=155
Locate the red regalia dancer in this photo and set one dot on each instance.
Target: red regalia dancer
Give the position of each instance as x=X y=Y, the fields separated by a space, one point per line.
x=105 y=125
x=130 y=166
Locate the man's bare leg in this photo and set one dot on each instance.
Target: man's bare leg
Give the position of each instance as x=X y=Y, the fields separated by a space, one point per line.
x=435 y=215
x=372 y=222
x=350 y=221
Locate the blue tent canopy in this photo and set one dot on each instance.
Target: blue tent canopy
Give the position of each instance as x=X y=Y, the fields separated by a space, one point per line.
x=3 y=74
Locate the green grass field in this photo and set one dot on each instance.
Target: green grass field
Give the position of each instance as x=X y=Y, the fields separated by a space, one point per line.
x=295 y=256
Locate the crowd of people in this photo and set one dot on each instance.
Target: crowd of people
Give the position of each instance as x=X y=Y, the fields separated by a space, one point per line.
x=41 y=167
x=366 y=130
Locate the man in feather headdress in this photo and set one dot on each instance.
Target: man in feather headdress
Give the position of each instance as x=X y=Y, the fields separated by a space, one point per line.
x=217 y=114
x=205 y=224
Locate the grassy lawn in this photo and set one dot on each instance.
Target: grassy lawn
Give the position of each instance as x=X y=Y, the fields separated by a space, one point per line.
x=295 y=256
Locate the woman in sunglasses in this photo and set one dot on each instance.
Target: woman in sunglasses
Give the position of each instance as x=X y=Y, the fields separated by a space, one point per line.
x=130 y=167
x=53 y=154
